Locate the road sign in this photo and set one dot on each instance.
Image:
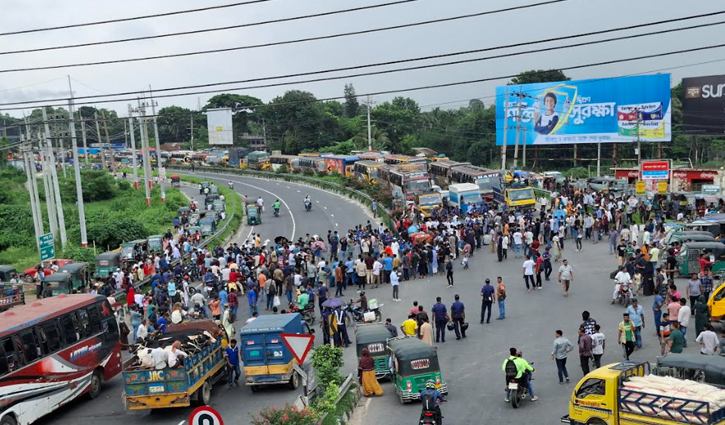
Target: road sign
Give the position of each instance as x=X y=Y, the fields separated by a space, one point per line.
x=662 y=187
x=46 y=244
x=655 y=170
x=641 y=188
x=205 y=415
x=298 y=344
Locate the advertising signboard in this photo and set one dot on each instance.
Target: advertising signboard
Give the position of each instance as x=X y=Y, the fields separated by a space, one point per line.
x=219 y=124
x=655 y=170
x=608 y=110
x=703 y=106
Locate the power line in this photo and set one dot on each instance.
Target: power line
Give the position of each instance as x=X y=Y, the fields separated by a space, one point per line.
x=135 y=18
x=326 y=37
x=207 y=30
x=422 y=67
x=386 y=63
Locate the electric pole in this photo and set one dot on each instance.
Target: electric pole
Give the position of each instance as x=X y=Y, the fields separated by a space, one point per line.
x=108 y=140
x=370 y=128
x=520 y=95
x=47 y=180
x=505 y=129
x=54 y=180
x=31 y=192
x=192 y=131
x=77 y=169
x=148 y=178
x=83 y=133
x=162 y=172
x=100 y=142
x=35 y=201
x=134 y=157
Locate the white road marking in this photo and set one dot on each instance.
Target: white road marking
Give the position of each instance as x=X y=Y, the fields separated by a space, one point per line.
x=367 y=403
x=325 y=207
x=299 y=191
x=289 y=187
x=250 y=234
x=336 y=225
x=332 y=215
x=317 y=202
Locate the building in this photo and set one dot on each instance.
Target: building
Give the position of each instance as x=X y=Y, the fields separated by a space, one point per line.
x=256 y=143
x=683 y=179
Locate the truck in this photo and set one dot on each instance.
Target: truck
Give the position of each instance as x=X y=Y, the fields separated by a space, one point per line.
x=520 y=198
x=267 y=360
x=147 y=388
x=429 y=201
x=627 y=394
x=464 y=193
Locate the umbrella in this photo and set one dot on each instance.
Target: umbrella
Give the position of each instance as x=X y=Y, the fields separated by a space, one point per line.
x=280 y=240
x=333 y=303
x=412 y=229
x=318 y=244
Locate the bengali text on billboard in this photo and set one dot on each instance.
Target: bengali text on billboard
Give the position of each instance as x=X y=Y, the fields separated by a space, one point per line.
x=703 y=105
x=610 y=110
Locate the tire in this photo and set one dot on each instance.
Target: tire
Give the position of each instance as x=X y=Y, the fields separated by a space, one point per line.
x=596 y=421
x=28 y=278
x=294 y=381
x=192 y=291
x=309 y=318
x=515 y=401
x=254 y=388
x=94 y=388
x=378 y=316
x=8 y=420
x=203 y=396
x=401 y=400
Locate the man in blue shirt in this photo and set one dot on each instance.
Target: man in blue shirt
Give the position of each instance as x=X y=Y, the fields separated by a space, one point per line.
x=252 y=299
x=387 y=268
x=321 y=294
x=161 y=323
x=458 y=315
x=349 y=273
x=440 y=316
x=232 y=355
x=636 y=314
x=430 y=397
x=487 y=295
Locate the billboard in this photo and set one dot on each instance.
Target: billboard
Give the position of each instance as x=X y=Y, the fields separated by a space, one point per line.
x=703 y=106
x=655 y=169
x=609 y=110
x=219 y=123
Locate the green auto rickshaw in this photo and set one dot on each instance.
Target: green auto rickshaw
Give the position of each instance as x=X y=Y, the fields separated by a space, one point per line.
x=218 y=205
x=209 y=199
x=204 y=188
x=79 y=274
x=413 y=363
x=374 y=336
x=128 y=248
x=156 y=243
x=175 y=181
x=181 y=211
x=253 y=216
x=690 y=252
x=107 y=263
x=56 y=284
x=207 y=225
x=695 y=367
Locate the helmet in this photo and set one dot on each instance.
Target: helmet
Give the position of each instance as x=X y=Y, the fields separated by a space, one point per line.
x=430 y=384
x=186 y=277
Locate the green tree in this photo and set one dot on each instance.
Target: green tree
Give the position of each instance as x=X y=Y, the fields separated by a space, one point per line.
x=539 y=76
x=352 y=106
x=379 y=140
x=397 y=118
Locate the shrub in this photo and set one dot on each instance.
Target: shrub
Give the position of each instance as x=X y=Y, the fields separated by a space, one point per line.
x=327 y=361
x=287 y=415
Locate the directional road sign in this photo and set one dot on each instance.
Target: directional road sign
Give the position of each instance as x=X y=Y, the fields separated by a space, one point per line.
x=47 y=247
x=299 y=345
x=205 y=415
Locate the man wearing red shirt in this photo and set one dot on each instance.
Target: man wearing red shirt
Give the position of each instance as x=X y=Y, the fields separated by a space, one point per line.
x=704 y=262
x=539 y=267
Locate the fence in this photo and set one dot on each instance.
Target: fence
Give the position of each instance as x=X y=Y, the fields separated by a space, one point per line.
x=383 y=212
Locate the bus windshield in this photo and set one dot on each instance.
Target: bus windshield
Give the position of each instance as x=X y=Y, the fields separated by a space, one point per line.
x=428 y=200
x=489 y=184
x=521 y=195
x=417 y=186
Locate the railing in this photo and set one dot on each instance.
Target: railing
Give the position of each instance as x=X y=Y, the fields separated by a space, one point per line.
x=383 y=212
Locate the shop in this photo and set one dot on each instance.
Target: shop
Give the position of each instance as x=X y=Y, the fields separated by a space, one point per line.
x=684 y=179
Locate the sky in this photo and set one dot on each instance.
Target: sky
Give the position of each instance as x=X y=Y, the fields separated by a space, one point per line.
x=553 y=20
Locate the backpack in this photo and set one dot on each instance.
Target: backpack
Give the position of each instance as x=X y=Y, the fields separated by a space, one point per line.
x=511 y=369
x=427 y=400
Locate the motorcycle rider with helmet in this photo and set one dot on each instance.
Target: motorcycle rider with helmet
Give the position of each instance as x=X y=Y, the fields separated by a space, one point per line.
x=231 y=185
x=515 y=367
x=430 y=397
x=276 y=207
x=308 y=202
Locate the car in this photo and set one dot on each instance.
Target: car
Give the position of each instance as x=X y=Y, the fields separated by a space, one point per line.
x=29 y=274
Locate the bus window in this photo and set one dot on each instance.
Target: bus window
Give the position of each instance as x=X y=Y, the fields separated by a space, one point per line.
x=50 y=330
x=31 y=348
x=94 y=319
x=84 y=325
x=70 y=332
x=3 y=362
x=9 y=355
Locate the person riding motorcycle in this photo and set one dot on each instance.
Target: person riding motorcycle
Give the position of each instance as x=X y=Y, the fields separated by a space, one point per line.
x=308 y=202
x=518 y=374
x=276 y=206
x=431 y=396
x=230 y=184
x=622 y=277
x=260 y=203
x=363 y=302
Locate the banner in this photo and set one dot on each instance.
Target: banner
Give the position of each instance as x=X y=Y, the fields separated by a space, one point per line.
x=219 y=124
x=703 y=107
x=607 y=110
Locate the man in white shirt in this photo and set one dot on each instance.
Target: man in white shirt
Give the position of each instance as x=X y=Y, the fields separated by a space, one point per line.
x=160 y=357
x=708 y=341
x=622 y=277
x=597 y=346
x=684 y=318
x=529 y=272
x=142 y=332
x=518 y=239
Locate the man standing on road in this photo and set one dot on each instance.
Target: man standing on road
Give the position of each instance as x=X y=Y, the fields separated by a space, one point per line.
x=708 y=341
x=585 y=350
x=683 y=317
x=626 y=335
x=488 y=296
x=598 y=343
x=566 y=276
x=395 y=283
x=562 y=347
x=440 y=316
x=636 y=314
x=458 y=314
x=501 y=296
x=529 y=273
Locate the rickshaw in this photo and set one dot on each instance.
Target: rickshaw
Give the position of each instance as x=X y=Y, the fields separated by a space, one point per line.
x=210 y=199
x=683 y=237
x=56 y=284
x=194 y=219
x=218 y=205
x=253 y=216
x=78 y=273
x=213 y=190
x=690 y=252
x=107 y=263
x=695 y=367
x=374 y=336
x=207 y=226
x=680 y=203
x=204 y=188
x=175 y=180
x=128 y=248
x=6 y=273
x=156 y=243
x=183 y=211
x=413 y=364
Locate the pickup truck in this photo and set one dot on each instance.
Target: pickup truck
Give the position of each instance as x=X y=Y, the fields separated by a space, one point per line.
x=626 y=394
x=148 y=388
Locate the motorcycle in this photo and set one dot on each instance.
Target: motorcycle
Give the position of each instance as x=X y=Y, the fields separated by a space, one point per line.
x=230 y=185
x=431 y=416
x=624 y=295
x=308 y=313
x=519 y=390
x=276 y=212
x=308 y=206
x=358 y=314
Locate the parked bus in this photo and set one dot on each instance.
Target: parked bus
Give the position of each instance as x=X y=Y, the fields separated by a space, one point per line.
x=53 y=351
x=367 y=171
x=277 y=161
x=489 y=182
x=341 y=164
x=440 y=171
x=258 y=160
x=309 y=155
x=309 y=163
x=404 y=159
x=405 y=184
x=370 y=156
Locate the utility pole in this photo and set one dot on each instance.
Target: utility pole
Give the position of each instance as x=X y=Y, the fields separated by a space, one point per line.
x=77 y=169
x=63 y=156
x=31 y=190
x=125 y=134
x=100 y=142
x=148 y=178
x=134 y=157
x=599 y=159
x=505 y=128
x=83 y=133
x=192 y=131
x=639 y=143
x=47 y=180
x=162 y=173
x=54 y=180
x=35 y=201
x=520 y=95
x=370 y=128
x=108 y=140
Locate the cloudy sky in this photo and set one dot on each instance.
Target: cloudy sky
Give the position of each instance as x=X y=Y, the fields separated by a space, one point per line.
x=554 y=20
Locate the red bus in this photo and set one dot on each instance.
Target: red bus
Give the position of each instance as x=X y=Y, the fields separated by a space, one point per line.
x=53 y=351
